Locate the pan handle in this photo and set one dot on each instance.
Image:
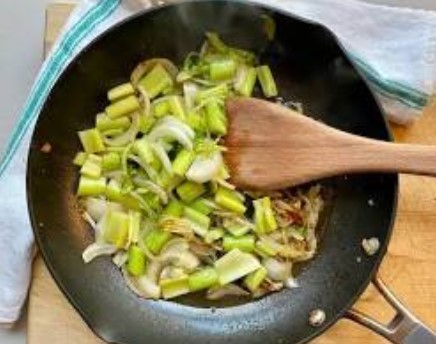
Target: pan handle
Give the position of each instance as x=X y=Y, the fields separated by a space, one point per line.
x=404 y=328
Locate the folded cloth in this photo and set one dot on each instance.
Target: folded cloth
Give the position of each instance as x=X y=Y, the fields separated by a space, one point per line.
x=395 y=49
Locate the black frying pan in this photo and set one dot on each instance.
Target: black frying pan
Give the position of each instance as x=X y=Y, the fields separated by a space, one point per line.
x=310 y=67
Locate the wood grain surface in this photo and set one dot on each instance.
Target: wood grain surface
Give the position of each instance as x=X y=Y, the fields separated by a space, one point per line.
x=409 y=267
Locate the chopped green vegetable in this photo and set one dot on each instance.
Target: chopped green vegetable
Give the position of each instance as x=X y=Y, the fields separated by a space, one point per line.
x=235 y=265
x=91 y=187
x=245 y=80
x=202 y=205
x=174 y=208
x=215 y=118
x=228 y=199
x=80 y=158
x=244 y=243
x=219 y=91
x=264 y=216
x=92 y=166
x=183 y=161
x=267 y=82
x=203 y=279
x=265 y=250
x=255 y=279
x=213 y=235
x=122 y=107
x=197 y=217
x=92 y=141
x=174 y=287
x=117 y=228
x=104 y=124
x=160 y=108
x=189 y=191
x=222 y=69
x=120 y=91
x=111 y=161
x=156 y=239
x=177 y=107
x=136 y=261
x=156 y=81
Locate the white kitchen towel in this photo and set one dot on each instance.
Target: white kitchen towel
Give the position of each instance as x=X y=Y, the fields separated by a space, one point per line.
x=394 y=48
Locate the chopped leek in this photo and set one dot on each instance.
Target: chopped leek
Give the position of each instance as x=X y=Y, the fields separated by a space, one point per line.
x=136 y=261
x=202 y=205
x=156 y=81
x=245 y=80
x=91 y=187
x=244 y=243
x=104 y=123
x=122 y=107
x=92 y=166
x=174 y=287
x=120 y=91
x=215 y=118
x=222 y=69
x=80 y=158
x=189 y=191
x=229 y=199
x=203 y=279
x=235 y=265
x=267 y=82
x=174 y=208
x=117 y=228
x=111 y=161
x=183 y=161
x=92 y=141
x=197 y=217
x=156 y=240
x=255 y=279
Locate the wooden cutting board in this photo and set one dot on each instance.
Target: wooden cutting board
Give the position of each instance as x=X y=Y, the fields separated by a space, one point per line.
x=409 y=268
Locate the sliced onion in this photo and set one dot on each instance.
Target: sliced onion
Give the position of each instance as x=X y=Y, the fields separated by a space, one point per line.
x=128 y=136
x=226 y=290
x=96 y=207
x=149 y=185
x=152 y=174
x=142 y=286
x=172 y=272
x=204 y=169
x=177 y=244
x=97 y=249
x=144 y=67
x=171 y=120
x=120 y=258
x=88 y=218
x=183 y=259
x=173 y=132
x=278 y=271
x=163 y=156
x=291 y=283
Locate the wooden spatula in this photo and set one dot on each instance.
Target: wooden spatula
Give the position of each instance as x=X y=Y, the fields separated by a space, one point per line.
x=272 y=147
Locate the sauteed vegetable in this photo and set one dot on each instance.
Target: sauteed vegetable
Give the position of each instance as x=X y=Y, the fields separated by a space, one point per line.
x=155 y=189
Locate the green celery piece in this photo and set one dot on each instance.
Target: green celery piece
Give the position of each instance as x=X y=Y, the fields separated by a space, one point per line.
x=203 y=279
x=215 y=118
x=213 y=235
x=156 y=239
x=174 y=208
x=117 y=228
x=263 y=249
x=156 y=81
x=216 y=43
x=259 y=217
x=135 y=225
x=104 y=123
x=197 y=217
x=136 y=261
x=146 y=123
x=246 y=79
x=160 y=108
x=123 y=107
x=183 y=161
x=235 y=265
x=227 y=199
x=91 y=187
x=269 y=218
x=92 y=141
x=255 y=279
x=92 y=167
x=189 y=191
x=201 y=205
x=114 y=193
x=142 y=148
x=177 y=107
x=120 y=91
x=111 y=161
x=244 y=243
x=267 y=83
x=222 y=69
x=196 y=121
x=222 y=90
x=174 y=287
x=80 y=158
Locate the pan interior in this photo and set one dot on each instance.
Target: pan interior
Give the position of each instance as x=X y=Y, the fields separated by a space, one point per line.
x=310 y=68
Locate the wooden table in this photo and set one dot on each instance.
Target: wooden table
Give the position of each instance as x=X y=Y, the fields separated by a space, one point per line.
x=409 y=267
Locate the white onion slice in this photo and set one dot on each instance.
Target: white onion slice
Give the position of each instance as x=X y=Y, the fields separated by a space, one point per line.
x=204 y=169
x=163 y=156
x=97 y=249
x=96 y=207
x=278 y=271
